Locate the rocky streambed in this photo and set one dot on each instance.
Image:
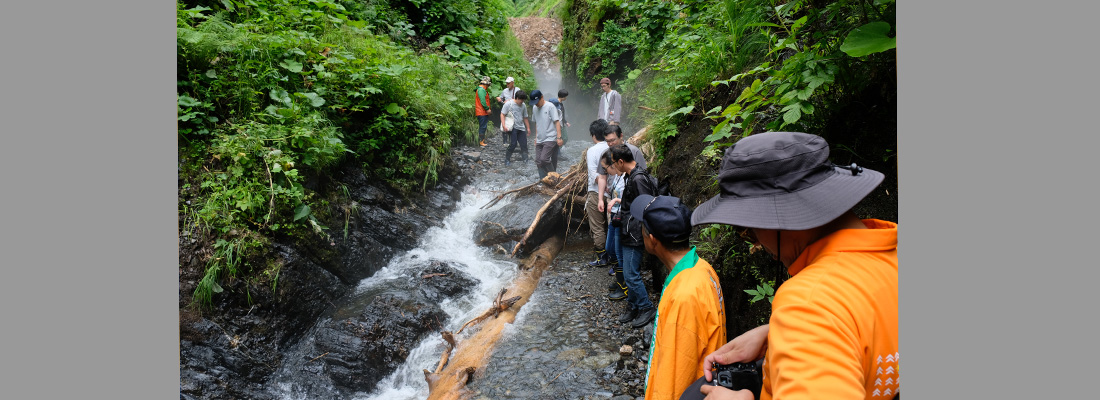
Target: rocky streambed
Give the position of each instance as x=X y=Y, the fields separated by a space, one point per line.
x=358 y=316
x=567 y=342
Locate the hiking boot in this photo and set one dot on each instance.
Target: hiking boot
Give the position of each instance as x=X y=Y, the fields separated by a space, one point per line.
x=601 y=259
x=644 y=317
x=611 y=269
x=630 y=315
x=507 y=163
x=483 y=144
x=618 y=293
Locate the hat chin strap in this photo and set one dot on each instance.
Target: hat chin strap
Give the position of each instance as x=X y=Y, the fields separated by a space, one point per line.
x=779 y=253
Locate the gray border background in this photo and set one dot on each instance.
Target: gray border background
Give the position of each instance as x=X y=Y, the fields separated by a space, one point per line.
x=995 y=148
x=88 y=292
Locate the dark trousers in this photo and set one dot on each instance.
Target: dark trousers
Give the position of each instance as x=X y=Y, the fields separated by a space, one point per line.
x=631 y=262
x=482 y=121
x=546 y=157
x=520 y=137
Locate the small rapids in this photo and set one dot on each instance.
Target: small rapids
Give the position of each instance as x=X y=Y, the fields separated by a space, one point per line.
x=452 y=243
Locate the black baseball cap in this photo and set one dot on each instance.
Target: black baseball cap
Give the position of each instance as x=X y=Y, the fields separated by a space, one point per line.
x=665 y=217
x=536 y=95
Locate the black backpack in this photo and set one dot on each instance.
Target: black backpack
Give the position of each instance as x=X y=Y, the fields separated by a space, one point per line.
x=663 y=188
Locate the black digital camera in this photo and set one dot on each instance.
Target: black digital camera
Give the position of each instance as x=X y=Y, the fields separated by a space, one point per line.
x=617 y=219
x=739 y=376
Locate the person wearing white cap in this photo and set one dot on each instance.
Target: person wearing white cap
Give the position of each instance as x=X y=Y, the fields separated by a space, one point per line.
x=506 y=96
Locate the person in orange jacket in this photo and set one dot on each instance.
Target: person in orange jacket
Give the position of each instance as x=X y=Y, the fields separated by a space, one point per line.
x=833 y=331
x=482 y=107
x=690 y=321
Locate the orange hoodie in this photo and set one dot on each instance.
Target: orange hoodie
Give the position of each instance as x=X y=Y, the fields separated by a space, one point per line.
x=834 y=324
x=690 y=323
x=481 y=101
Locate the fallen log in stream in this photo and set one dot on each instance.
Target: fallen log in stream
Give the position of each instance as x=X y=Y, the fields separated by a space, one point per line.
x=471 y=354
x=543 y=239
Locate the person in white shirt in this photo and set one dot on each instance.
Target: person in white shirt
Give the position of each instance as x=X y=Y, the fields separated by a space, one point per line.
x=506 y=97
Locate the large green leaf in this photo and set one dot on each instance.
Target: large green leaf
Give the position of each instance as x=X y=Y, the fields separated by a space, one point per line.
x=280 y=95
x=682 y=110
x=291 y=65
x=186 y=101
x=301 y=212
x=314 y=99
x=869 y=39
x=393 y=108
x=793 y=114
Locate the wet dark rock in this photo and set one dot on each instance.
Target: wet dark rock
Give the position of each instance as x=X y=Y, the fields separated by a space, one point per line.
x=508 y=222
x=230 y=354
x=452 y=283
x=361 y=350
x=231 y=350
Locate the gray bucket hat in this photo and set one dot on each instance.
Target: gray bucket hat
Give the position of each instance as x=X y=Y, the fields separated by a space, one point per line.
x=783 y=180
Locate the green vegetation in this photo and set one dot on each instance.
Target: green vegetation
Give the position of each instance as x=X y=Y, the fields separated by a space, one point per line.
x=272 y=92
x=725 y=69
x=538 y=8
x=782 y=61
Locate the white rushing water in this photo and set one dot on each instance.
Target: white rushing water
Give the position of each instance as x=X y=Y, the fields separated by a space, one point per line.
x=453 y=243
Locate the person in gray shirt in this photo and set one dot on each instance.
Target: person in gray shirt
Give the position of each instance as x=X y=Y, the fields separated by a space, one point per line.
x=510 y=116
x=547 y=132
x=506 y=97
x=611 y=104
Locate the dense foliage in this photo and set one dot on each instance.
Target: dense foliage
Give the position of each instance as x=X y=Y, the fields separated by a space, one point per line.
x=783 y=60
x=272 y=91
x=725 y=69
x=537 y=8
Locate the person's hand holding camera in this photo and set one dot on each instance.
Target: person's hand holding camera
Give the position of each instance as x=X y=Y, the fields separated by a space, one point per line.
x=749 y=346
x=721 y=393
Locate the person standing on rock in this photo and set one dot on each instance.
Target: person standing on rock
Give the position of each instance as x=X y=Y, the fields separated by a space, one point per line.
x=833 y=331
x=506 y=97
x=610 y=108
x=691 y=320
x=482 y=108
x=597 y=184
x=510 y=116
x=638 y=182
x=547 y=132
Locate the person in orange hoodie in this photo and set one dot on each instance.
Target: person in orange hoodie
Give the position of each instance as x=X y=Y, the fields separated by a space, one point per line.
x=482 y=107
x=690 y=321
x=833 y=331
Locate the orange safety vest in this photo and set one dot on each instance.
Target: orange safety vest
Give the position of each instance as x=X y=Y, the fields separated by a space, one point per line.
x=834 y=326
x=481 y=107
x=690 y=323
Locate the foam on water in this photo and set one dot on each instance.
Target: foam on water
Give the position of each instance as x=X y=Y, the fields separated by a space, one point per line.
x=453 y=242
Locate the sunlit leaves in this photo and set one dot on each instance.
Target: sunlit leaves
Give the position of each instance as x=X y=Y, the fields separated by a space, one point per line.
x=869 y=39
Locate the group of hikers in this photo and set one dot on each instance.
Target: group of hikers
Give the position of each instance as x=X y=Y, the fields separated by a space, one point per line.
x=546 y=120
x=833 y=330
